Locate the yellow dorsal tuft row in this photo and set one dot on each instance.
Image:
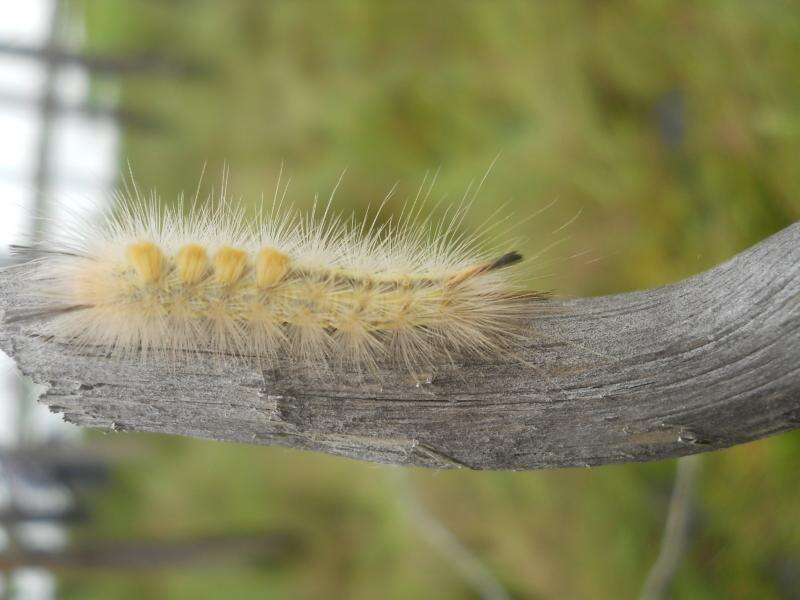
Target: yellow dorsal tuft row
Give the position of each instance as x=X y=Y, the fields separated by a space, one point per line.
x=192 y=264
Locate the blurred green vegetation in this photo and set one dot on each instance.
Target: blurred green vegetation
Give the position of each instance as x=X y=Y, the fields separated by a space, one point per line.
x=673 y=126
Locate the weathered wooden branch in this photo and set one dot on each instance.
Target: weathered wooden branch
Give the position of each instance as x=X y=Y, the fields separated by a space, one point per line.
x=699 y=365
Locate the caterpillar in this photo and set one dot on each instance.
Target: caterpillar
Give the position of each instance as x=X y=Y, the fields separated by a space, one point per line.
x=317 y=290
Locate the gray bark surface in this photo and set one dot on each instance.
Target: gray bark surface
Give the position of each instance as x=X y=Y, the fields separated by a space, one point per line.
x=702 y=364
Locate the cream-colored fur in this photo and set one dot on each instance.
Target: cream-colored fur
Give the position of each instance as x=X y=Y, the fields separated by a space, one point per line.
x=315 y=289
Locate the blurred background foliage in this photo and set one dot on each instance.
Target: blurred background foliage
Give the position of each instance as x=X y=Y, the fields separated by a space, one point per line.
x=673 y=126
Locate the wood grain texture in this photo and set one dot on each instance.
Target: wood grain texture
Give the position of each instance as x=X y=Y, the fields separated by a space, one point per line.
x=699 y=365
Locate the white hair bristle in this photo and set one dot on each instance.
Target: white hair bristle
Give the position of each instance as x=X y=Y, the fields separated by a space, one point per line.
x=314 y=290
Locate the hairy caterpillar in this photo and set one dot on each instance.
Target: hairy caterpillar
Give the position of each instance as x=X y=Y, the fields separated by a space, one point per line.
x=314 y=289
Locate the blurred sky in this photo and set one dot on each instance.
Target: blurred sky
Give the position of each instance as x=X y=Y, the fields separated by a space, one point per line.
x=83 y=153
